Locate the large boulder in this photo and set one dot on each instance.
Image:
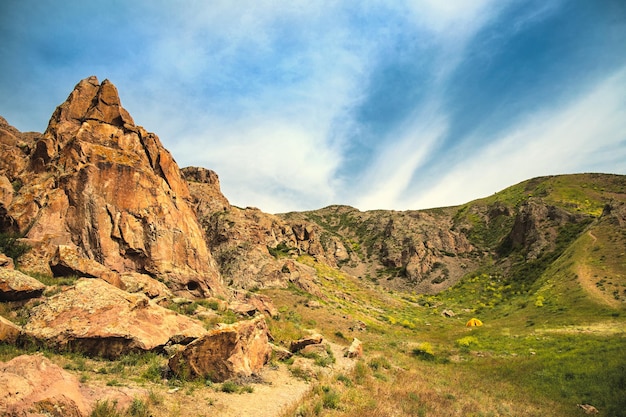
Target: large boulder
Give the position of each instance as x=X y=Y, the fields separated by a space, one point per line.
x=99 y=319
x=99 y=183
x=32 y=385
x=15 y=286
x=229 y=351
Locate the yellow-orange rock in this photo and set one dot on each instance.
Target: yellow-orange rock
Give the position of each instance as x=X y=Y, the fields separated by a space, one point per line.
x=229 y=351
x=32 y=385
x=9 y=331
x=15 y=286
x=101 y=320
x=99 y=183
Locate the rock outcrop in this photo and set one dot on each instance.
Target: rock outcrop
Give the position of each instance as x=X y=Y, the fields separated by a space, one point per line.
x=97 y=182
x=230 y=351
x=419 y=250
x=253 y=249
x=101 y=320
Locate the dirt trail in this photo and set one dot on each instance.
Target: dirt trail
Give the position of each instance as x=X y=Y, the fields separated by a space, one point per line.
x=279 y=392
x=587 y=280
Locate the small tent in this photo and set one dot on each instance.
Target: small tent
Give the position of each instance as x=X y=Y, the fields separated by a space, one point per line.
x=474 y=322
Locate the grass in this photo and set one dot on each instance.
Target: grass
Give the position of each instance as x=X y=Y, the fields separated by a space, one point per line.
x=526 y=360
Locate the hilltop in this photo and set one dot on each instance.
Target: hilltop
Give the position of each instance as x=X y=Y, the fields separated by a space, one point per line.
x=146 y=290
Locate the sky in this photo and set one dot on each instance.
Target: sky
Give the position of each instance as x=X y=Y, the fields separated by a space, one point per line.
x=297 y=105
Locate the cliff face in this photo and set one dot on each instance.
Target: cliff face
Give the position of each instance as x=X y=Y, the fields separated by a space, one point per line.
x=97 y=182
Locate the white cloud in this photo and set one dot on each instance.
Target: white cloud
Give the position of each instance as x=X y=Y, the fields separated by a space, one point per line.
x=572 y=139
x=390 y=175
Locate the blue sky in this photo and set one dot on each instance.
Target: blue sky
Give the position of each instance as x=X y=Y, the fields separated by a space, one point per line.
x=375 y=104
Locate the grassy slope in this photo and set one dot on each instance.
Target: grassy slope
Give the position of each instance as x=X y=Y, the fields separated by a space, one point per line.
x=545 y=347
x=527 y=360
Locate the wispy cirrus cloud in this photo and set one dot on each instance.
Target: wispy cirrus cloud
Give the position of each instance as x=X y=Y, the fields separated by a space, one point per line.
x=587 y=134
x=301 y=104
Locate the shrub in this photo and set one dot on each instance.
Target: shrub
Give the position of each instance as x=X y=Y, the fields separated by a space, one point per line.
x=466 y=342
x=139 y=408
x=330 y=398
x=11 y=247
x=424 y=351
x=105 y=409
x=230 y=387
x=379 y=363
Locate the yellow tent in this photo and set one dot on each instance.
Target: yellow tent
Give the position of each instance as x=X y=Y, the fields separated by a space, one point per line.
x=474 y=323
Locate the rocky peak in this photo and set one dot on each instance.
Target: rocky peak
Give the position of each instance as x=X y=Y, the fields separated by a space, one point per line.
x=109 y=189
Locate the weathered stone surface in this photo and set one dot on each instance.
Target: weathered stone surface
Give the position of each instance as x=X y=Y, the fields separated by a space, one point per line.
x=9 y=331
x=32 y=385
x=250 y=304
x=299 y=344
x=102 y=320
x=206 y=195
x=67 y=261
x=229 y=351
x=317 y=349
x=241 y=239
x=355 y=350
x=97 y=182
x=280 y=353
x=142 y=283
x=15 y=285
x=6 y=262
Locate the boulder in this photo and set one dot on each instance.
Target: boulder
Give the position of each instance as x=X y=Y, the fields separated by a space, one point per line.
x=67 y=261
x=317 y=349
x=9 y=331
x=101 y=320
x=236 y=350
x=280 y=353
x=142 y=283
x=32 y=385
x=355 y=350
x=15 y=286
x=6 y=262
x=299 y=344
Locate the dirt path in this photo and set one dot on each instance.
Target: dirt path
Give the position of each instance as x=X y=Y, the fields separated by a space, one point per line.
x=587 y=280
x=278 y=393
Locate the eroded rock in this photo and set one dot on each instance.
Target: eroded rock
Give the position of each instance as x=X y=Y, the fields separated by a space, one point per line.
x=101 y=320
x=99 y=183
x=355 y=350
x=9 y=331
x=32 y=385
x=14 y=286
x=299 y=344
x=236 y=350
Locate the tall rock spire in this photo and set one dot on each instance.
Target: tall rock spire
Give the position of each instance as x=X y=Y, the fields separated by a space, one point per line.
x=112 y=191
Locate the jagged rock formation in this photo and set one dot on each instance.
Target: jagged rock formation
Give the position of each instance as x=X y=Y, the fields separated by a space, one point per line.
x=97 y=182
x=206 y=195
x=254 y=249
x=420 y=250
